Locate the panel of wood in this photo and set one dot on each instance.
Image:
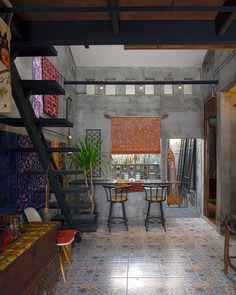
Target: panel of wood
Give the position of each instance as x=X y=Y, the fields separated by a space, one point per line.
x=210 y=109
x=23 y=270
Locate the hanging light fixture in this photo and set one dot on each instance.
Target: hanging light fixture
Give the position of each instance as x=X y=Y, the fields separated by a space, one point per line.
x=101 y=87
x=141 y=87
x=179 y=86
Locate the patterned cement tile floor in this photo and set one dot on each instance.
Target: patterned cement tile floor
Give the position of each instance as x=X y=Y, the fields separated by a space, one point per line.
x=187 y=259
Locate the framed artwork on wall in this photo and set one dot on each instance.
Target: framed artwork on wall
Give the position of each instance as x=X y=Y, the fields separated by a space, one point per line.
x=69 y=109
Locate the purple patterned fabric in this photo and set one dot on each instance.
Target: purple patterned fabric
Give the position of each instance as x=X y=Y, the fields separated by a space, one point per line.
x=37 y=100
x=8 y=172
x=28 y=183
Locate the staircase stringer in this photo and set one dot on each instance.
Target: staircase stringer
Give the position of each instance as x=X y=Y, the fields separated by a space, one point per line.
x=26 y=112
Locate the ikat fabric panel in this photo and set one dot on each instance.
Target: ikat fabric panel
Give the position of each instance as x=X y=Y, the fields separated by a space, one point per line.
x=59 y=158
x=135 y=135
x=19 y=187
x=50 y=102
x=8 y=172
x=31 y=187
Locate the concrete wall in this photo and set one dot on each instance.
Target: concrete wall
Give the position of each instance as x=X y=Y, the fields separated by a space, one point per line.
x=222 y=65
x=66 y=67
x=199 y=176
x=185 y=111
x=185 y=116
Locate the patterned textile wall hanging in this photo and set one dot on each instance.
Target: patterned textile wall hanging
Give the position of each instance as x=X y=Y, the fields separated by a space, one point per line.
x=95 y=135
x=19 y=188
x=50 y=102
x=28 y=183
x=8 y=172
x=135 y=135
x=37 y=100
x=59 y=158
x=5 y=75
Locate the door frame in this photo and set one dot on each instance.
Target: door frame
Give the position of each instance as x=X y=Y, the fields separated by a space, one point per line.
x=210 y=109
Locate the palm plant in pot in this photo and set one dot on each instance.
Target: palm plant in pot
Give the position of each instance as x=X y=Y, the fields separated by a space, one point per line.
x=88 y=157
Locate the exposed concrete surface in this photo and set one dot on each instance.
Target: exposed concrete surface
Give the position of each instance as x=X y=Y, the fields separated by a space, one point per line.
x=222 y=64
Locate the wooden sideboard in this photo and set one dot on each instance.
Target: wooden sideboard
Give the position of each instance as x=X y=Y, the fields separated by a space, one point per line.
x=30 y=264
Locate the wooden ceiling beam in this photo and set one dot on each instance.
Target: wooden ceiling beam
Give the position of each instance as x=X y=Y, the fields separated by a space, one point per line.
x=224 y=46
x=83 y=9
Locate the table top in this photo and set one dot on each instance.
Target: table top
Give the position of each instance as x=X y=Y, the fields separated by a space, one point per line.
x=33 y=231
x=113 y=181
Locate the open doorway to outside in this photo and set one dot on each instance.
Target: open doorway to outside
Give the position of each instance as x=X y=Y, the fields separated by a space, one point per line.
x=182 y=199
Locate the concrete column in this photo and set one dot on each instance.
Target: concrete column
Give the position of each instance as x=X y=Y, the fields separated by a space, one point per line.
x=224 y=162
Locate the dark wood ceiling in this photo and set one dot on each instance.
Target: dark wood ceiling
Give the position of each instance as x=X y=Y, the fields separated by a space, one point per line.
x=123 y=16
x=131 y=22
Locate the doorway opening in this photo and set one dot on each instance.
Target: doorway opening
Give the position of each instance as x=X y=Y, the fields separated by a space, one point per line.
x=182 y=199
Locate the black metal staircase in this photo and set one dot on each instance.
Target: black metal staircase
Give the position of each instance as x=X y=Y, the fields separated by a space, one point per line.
x=74 y=214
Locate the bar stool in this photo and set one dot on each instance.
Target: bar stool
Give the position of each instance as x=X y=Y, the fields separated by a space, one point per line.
x=117 y=194
x=155 y=194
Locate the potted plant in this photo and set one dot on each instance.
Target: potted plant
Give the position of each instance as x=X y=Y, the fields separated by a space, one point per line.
x=88 y=157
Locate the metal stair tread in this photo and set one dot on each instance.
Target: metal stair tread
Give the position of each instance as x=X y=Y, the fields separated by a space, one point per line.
x=74 y=189
x=28 y=51
x=83 y=227
x=55 y=172
x=49 y=150
x=47 y=122
x=78 y=218
x=68 y=172
x=43 y=87
x=71 y=205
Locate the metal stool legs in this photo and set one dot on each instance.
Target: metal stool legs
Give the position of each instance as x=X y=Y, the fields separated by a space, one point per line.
x=149 y=218
x=147 y=215
x=162 y=216
x=124 y=216
x=111 y=218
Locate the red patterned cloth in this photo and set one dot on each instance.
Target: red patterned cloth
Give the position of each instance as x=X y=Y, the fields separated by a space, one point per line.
x=136 y=185
x=135 y=135
x=50 y=102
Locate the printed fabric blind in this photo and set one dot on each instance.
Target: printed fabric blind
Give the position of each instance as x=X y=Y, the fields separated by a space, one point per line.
x=135 y=135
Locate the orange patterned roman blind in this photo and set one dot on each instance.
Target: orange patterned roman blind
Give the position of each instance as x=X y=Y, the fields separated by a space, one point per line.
x=135 y=135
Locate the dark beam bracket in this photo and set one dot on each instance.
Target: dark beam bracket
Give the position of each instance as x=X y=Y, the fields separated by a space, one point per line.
x=114 y=16
x=225 y=19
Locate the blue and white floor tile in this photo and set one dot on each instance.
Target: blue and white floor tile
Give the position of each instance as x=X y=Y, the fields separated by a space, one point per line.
x=186 y=260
